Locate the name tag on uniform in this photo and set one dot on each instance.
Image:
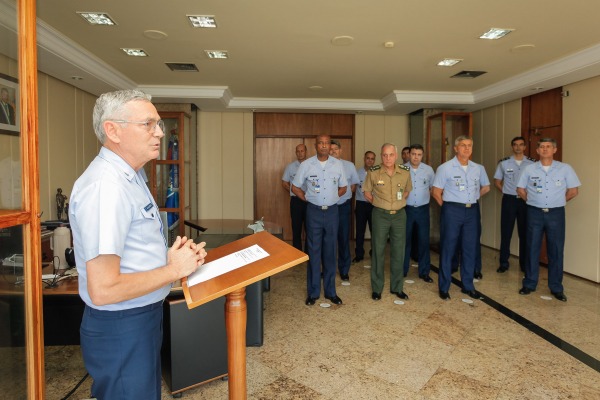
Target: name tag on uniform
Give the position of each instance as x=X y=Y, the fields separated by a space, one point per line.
x=399 y=194
x=146 y=211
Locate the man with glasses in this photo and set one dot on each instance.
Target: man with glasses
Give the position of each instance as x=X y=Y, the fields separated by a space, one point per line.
x=546 y=185
x=125 y=268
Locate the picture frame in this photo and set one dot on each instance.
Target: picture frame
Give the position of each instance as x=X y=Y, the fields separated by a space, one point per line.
x=10 y=121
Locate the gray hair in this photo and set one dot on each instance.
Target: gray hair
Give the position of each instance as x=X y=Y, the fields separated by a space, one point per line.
x=547 y=140
x=461 y=138
x=110 y=106
x=389 y=144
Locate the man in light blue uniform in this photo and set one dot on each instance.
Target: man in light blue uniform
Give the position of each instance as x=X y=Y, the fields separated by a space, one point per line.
x=417 y=211
x=344 y=211
x=324 y=180
x=457 y=186
x=546 y=186
x=363 y=208
x=297 y=206
x=513 y=207
x=125 y=270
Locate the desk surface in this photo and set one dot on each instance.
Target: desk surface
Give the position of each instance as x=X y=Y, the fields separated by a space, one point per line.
x=67 y=286
x=230 y=226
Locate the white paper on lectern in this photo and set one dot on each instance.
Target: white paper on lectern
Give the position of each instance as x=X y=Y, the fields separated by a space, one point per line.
x=225 y=264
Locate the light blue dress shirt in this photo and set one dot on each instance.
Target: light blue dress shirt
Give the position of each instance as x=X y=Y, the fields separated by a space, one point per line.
x=508 y=171
x=351 y=177
x=548 y=189
x=290 y=173
x=459 y=186
x=422 y=180
x=362 y=175
x=321 y=183
x=111 y=211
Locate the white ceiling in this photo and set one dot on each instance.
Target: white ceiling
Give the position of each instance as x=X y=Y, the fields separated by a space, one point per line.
x=279 y=48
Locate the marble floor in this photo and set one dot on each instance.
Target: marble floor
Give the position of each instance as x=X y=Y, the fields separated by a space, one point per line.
x=425 y=348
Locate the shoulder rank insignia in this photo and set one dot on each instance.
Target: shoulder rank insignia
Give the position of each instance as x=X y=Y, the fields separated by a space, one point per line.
x=503 y=159
x=404 y=167
x=375 y=167
x=531 y=159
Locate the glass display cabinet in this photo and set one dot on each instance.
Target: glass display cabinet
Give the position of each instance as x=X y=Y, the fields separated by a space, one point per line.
x=166 y=175
x=442 y=130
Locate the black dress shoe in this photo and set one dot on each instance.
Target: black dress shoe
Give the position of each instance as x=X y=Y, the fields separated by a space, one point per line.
x=344 y=277
x=444 y=295
x=426 y=278
x=502 y=270
x=402 y=295
x=334 y=300
x=376 y=296
x=472 y=293
x=310 y=301
x=356 y=259
x=477 y=275
x=559 y=295
x=525 y=290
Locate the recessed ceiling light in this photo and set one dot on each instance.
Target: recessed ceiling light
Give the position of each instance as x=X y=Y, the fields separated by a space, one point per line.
x=342 y=40
x=97 y=18
x=203 y=21
x=315 y=88
x=135 y=52
x=448 y=62
x=155 y=35
x=495 y=33
x=523 y=48
x=217 y=53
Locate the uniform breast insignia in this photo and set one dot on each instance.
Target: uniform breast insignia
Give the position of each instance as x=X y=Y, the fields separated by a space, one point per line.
x=375 y=167
x=404 y=167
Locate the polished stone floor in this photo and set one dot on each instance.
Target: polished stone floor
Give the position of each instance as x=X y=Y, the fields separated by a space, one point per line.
x=425 y=348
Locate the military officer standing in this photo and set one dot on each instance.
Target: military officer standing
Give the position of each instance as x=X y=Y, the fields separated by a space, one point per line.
x=457 y=186
x=387 y=185
x=513 y=207
x=363 y=208
x=344 y=211
x=297 y=206
x=417 y=212
x=546 y=186
x=324 y=180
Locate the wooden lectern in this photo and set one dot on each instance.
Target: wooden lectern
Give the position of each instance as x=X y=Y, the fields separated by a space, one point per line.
x=233 y=284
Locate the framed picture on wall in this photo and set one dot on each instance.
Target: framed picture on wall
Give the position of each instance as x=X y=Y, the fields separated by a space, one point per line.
x=9 y=105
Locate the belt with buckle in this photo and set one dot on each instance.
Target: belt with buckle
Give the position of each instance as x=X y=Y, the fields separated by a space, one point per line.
x=466 y=205
x=391 y=212
x=545 y=210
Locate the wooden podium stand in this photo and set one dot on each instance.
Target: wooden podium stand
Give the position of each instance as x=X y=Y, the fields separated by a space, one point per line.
x=233 y=285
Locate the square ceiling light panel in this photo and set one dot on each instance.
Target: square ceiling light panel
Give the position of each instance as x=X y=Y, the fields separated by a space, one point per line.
x=203 y=21
x=97 y=18
x=135 y=52
x=217 y=53
x=495 y=33
x=448 y=62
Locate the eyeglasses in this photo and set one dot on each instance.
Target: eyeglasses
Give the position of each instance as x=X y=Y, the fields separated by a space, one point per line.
x=150 y=124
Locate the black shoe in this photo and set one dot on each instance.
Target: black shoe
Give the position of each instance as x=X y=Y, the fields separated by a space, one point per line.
x=444 y=295
x=376 y=296
x=502 y=270
x=477 y=275
x=345 y=277
x=559 y=295
x=402 y=295
x=405 y=275
x=472 y=293
x=334 y=300
x=426 y=278
x=454 y=270
x=310 y=301
x=371 y=252
x=525 y=290
x=356 y=259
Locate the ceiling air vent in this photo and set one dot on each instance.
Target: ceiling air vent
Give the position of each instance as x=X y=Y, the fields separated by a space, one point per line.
x=468 y=74
x=182 y=66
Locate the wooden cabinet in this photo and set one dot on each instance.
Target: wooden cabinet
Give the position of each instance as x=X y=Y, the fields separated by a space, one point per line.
x=442 y=130
x=167 y=177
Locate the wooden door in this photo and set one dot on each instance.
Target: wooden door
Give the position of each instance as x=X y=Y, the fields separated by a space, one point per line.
x=541 y=117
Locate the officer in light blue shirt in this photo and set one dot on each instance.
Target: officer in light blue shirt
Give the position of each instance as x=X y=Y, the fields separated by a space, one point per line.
x=125 y=269
x=513 y=207
x=457 y=186
x=344 y=212
x=297 y=206
x=546 y=186
x=417 y=212
x=363 y=208
x=325 y=182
